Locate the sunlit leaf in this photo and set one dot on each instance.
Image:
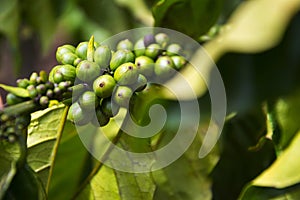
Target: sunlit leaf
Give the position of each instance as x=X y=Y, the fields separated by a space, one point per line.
x=42 y=135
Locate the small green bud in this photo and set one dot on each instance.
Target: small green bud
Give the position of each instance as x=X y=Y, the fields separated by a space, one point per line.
x=44 y=101
x=32 y=91
x=23 y=83
x=41 y=89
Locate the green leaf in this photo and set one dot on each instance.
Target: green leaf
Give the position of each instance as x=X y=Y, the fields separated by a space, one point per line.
x=20 y=92
x=71 y=165
x=281 y=178
x=42 y=137
x=10 y=19
x=188 y=177
x=287 y=114
x=193 y=17
x=9 y=155
x=122 y=186
x=27 y=185
x=284 y=171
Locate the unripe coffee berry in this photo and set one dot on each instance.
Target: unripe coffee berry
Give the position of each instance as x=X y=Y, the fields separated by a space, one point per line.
x=139 y=47
x=122 y=96
x=88 y=100
x=125 y=44
x=174 y=49
x=104 y=85
x=102 y=56
x=162 y=39
x=164 y=67
x=145 y=65
x=87 y=71
x=120 y=57
x=153 y=50
x=126 y=74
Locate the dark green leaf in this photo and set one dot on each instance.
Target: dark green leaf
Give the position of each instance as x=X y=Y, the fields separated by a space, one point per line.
x=9 y=155
x=26 y=185
x=193 y=17
x=21 y=92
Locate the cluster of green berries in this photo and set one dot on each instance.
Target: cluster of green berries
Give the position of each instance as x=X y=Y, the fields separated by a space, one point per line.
x=40 y=89
x=100 y=78
x=112 y=75
x=10 y=126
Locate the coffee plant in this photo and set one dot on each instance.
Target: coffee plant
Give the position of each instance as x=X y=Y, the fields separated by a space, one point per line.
x=63 y=128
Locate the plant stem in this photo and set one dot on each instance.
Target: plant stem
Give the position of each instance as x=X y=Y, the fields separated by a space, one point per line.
x=55 y=148
x=26 y=107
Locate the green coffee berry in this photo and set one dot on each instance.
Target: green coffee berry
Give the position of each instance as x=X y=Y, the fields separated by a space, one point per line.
x=109 y=107
x=87 y=71
x=63 y=50
x=145 y=65
x=41 y=89
x=149 y=39
x=81 y=50
x=140 y=84
x=101 y=119
x=120 y=57
x=139 y=47
x=58 y=77
x=162 y=39
x=122 y=96
x=23 y=83
x=49 y=93
x=78 y=115
x=126 y=74
x=49 y=85
x=33 y=78
x=32 y=91
x=12 y=99
x=179 y=62
x=104 y=85
x=68 y=73
x=174 y=49
x=44 y=101
x=63 y=86
x=102 y=56
x=164 y=67
x=125 y=44
x=88 y=100
x=57 y=91
x=68 y=58
x=153 y=51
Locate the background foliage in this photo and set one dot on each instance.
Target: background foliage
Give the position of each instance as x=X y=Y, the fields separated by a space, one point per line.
x=256 y=47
